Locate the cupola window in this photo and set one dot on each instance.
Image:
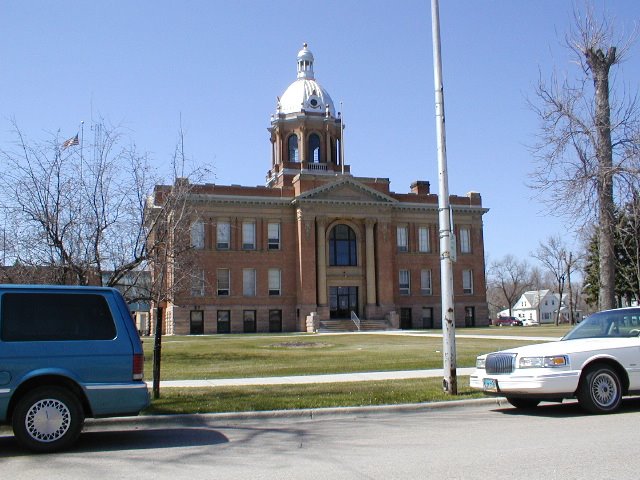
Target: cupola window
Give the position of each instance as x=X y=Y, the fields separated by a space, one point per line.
x=314 y=148
x=293 y=149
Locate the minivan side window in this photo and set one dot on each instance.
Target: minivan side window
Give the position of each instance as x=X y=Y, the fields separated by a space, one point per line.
x=28 y=317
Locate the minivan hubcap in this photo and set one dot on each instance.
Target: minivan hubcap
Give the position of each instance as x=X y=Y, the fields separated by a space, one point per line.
x=48 y=420
x=604 y=390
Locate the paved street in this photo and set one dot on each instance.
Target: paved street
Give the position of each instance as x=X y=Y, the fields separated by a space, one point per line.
x=476 y=441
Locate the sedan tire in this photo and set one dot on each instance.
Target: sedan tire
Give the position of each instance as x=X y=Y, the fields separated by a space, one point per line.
x=600 y=390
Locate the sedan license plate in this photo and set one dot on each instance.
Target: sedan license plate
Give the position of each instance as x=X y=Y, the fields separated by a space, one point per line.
x=490 y=385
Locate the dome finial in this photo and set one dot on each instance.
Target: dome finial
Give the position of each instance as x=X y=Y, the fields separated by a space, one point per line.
x=305 y=62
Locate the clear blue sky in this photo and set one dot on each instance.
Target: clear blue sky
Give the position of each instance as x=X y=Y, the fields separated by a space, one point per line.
x=219 y=66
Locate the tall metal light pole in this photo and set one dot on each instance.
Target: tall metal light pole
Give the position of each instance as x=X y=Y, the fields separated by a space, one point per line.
x=450 y=381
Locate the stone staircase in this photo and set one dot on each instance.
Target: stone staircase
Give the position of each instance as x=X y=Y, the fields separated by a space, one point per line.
x=346 y=325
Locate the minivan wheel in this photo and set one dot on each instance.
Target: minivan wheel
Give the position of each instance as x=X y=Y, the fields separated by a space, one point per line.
x=47 y=419
x=600 y=390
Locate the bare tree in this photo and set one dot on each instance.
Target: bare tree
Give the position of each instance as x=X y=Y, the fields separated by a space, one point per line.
x=511 y=278
x=76 y=207
x=585 y=137
x=561 y=263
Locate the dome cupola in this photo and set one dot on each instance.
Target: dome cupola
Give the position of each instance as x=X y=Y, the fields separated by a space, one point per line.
x=305 y=94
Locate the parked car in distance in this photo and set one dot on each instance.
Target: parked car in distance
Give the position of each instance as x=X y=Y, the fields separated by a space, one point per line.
x=66 y=353
x=507 y=321
x=597 y=362
x=529 y=323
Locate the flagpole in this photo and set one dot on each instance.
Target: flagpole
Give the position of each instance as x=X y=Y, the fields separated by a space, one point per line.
x=450 y=380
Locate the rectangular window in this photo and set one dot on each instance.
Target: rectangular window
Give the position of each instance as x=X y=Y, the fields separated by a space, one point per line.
x=274 y=281
x=424 y=244
x=248 y=235
x=465 y=240
x=224 y=321
x=404 y=281
x=36 y=317
x=249 y=282
x=275 y=320
x=222 y=275
x=197 y=235
x=249 y=321
x=403 y=238
x=273 y=232
x=425 y=282
x=196 y=322
x=197 y=283
x=223 y=235
x=427 y=317
x=467 y=281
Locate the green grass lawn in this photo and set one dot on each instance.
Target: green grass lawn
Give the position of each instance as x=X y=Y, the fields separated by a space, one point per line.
x=287 y=397
x=237 y=356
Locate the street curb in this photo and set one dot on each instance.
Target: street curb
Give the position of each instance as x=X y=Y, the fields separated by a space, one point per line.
x=199 y=419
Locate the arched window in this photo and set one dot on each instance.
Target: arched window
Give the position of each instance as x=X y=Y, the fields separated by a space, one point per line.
x=293 y=148
x=343 y=250
x=314 y=148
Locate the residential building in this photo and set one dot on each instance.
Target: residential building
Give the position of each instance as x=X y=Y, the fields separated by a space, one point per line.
x=541 y=306
x=318 y=243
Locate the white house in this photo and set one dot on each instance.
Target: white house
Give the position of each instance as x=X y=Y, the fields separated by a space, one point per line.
x=540 y=306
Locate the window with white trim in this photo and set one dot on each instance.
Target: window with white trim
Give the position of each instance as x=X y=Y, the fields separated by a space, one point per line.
x=197 y=283
x=467 y=281
x=404 y=282
x=273 y=234
x=249 y=282
x=425 y=282
x=223 y=281
x=223 y=235
x=275 y=282
x=465 y=240
x=424 y=243
x=197 y=234
x=403 y=238
x=248 y=235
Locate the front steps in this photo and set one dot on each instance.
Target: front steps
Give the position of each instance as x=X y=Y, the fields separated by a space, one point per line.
x=346 y=325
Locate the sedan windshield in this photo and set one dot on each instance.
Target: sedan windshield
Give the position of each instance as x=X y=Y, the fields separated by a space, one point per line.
x=611 y=323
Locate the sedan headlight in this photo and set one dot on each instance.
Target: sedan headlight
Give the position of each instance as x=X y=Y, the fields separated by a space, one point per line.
x=480 y=362
x=544 y=362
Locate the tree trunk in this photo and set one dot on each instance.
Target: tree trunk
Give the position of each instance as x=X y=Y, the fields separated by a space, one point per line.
x=599 y=63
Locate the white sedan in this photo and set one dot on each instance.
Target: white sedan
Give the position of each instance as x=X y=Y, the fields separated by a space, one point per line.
x=597 y=362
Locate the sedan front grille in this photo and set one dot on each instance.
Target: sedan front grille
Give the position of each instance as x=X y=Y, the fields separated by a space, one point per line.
x=497 y=363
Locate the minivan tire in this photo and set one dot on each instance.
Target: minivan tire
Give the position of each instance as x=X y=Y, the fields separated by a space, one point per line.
x=47 y=419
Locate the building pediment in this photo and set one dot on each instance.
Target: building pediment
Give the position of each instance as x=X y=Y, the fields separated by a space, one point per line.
x=344 y=190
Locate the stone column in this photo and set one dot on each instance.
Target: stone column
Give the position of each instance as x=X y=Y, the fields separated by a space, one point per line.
x=371 y=265
x=321 y=261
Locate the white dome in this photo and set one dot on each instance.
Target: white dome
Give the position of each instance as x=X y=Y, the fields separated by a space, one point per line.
x=305 y=93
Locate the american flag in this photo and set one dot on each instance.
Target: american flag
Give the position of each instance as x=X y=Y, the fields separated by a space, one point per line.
x=71 y=142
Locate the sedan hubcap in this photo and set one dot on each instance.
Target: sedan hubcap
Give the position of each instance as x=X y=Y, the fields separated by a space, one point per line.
x=604 y=390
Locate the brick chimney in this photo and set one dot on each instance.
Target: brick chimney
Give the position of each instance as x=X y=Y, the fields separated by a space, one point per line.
x=420 y=187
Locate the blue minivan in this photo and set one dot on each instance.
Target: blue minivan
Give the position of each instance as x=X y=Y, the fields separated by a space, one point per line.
x=66 y=353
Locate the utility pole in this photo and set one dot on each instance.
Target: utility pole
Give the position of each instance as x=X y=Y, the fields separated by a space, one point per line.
x=450 y=381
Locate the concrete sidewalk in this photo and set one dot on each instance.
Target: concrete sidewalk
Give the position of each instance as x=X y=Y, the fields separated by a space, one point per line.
x=307 y=379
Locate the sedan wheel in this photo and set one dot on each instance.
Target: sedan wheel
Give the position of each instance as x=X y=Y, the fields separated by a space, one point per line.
x=600 y=390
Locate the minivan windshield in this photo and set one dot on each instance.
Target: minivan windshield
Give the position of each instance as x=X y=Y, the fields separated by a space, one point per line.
x=611 y=323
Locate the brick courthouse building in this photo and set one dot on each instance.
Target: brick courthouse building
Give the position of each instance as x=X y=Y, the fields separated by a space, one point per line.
x=317 y=243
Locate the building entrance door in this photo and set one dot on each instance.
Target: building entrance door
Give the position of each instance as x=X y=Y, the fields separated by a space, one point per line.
x=342 y=301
